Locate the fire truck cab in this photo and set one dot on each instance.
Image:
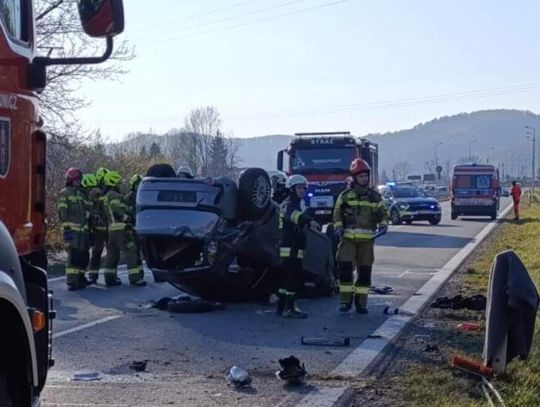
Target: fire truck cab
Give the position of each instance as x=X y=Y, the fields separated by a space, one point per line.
x=25 y=303
x=324 y=159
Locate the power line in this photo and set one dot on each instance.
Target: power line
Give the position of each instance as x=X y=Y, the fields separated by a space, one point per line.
x=222 y=20
x=300 y=11
x=194 y=16
x=396 y=103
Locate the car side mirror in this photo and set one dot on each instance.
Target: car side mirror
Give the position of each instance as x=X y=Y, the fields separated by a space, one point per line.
x=101 y=18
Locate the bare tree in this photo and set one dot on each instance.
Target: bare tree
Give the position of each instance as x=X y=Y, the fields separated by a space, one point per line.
x=402 y=169
x=59 y=34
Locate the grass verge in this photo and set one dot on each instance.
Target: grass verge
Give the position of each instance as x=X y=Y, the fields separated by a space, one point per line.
x=428 y=380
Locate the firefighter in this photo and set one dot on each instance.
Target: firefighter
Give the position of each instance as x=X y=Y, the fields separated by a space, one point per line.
x=516 y=197
x=184 y=171
x=279 y=188
x=119 y=242
x=73 y=214
x=293 y=243
x=97 y=223
x=358 y=212
x=131 y=202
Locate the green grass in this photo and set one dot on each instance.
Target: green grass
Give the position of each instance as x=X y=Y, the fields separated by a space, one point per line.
x=431 y=381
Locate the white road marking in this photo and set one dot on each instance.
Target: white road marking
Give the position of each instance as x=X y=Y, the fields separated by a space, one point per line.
x=84 y=326
x=326 y=397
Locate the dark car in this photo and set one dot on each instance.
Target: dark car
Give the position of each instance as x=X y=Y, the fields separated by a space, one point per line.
x=406 y=203
x=220 y=241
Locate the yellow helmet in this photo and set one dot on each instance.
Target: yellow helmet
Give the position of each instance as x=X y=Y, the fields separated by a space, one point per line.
x=100 y=174
x=112 y=179
x=89 y=181
x=135 y=181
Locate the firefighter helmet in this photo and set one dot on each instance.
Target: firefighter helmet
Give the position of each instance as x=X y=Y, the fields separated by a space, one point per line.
x=279 y=178
x=100 y=174
x=359 y=166
x=184 y=171
x=73 y=174
x=135 y=181
x=112 y=179
x=296 y=179
x=89 y=181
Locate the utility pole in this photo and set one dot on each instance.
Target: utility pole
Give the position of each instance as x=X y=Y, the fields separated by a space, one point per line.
x=470 y=142
x=531 y=131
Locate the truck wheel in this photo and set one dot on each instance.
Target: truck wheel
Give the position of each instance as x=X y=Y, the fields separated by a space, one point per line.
x=254 y=193
x=394 y=217
x=6 y=399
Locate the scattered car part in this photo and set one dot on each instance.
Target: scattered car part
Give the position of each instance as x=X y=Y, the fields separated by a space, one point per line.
x=474 y=302
x=138 y=365
x=326 y=341
x=383 y=290
x=238 y=377
x=291 y=370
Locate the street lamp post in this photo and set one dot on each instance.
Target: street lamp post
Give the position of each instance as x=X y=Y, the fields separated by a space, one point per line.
x=437 y=160
x=470 y=142
x=531 y=131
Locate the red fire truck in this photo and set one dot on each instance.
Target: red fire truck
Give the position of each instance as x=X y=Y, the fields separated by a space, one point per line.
x=25 y=302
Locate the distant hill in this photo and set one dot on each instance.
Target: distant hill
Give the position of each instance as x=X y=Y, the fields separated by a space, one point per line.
x=492 y=134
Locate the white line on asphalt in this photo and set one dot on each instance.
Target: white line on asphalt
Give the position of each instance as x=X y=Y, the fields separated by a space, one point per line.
x=362 y=357
x=324 y=396
x=88 y=325
x=402 y=274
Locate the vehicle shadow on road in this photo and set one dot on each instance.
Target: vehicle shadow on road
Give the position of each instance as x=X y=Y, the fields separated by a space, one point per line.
x=477 y=220
x=404 y=239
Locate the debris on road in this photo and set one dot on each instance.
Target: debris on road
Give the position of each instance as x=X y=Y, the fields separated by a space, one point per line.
x=238 y=377
x=138 y=365
x=473 y=302
x=469 y=326
x=326 y=341
x=388 y=310
x=383 y=290
x=188 y=305
x=291 y=370
x=86 y=376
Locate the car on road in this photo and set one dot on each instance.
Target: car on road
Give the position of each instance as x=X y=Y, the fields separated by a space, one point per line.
x=406 y=203
x=219 y=240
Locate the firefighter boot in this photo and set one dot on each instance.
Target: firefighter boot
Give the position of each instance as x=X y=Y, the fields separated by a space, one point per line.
x=360 y=303
x=292 y=310
x=346 y=298
x=281 y=302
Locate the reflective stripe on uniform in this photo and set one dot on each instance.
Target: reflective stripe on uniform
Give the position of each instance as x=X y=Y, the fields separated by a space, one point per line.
x=295 y=216
x=74 y=226
x=358 y=234
x=133 y=271
x=75 y=198
x=101 y=228
x=72 y=270
x=361 y=290
x=62 y=205
x=286 y=252
x=338 y=224
x=109 y=271
x=346 y=288
x=354 y=202
x=117 y=226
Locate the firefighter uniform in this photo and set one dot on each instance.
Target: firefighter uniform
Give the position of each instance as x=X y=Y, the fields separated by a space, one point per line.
x=72 y=212
x=98 y=230
x=120 y=241
x=131 y=204
x=358 y=212
x=292 y=221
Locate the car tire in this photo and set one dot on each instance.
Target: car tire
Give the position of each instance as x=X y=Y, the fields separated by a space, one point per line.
x=435 y=221
x=254 y=193
x=394 y=217
x=6 y=398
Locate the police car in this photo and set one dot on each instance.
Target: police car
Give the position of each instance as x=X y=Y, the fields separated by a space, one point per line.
x=406 y=203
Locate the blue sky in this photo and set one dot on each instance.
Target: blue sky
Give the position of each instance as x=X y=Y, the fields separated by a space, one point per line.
x=324 y=66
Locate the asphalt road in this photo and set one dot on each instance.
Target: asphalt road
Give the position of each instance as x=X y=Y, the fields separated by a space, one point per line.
x=188 y=355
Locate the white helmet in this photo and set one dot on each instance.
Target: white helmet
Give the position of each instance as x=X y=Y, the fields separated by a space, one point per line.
x=296 y=179
x=183 y=170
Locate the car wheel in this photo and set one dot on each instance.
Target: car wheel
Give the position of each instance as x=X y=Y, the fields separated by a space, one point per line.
x=254 y=193
x=394 y=217
x=6 y=399
x=435 y=221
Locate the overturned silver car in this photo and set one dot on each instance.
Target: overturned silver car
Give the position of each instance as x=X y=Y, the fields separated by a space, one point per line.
x=220 y=241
